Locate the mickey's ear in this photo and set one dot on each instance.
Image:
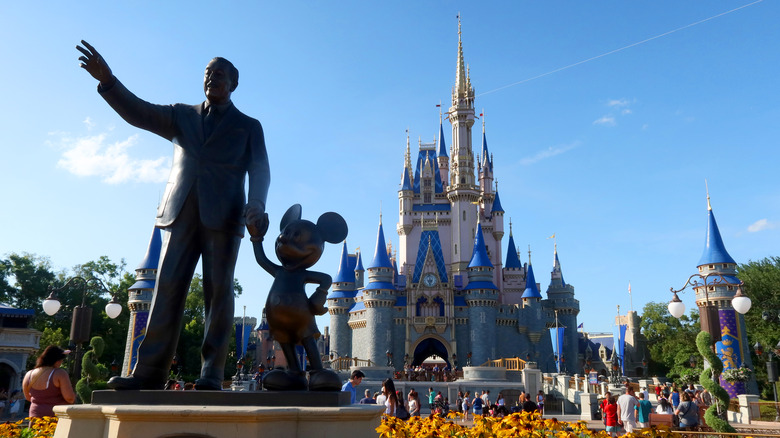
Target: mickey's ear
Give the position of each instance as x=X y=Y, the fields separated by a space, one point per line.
x=291 y=215
x=332 y=227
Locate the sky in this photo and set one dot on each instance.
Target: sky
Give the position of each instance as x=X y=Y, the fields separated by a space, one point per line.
x=604 y=119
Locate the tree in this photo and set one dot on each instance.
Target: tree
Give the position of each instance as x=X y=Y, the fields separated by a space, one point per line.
x=189 y=348
x=24 y=282
x=671 y=341
x=762 y=285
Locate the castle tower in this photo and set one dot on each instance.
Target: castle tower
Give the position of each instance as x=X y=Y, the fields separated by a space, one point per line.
x=340 y=300
x=561 y=296
x=443 y=158
x=462 y=193
x=378 y=298
x=139 y=300
x=532 y=306
x=359 y=271
x=482 y=299
x=717 y=315
x=513 y=275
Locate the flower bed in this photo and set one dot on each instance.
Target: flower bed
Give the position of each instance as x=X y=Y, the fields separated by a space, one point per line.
x=515 y=425
x=30 y=428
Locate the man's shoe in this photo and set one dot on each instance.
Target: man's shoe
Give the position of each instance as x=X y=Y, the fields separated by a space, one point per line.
x=132 y=383
x=207 y=385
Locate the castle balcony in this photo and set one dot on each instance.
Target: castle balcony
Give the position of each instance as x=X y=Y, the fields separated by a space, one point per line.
x=421 y=323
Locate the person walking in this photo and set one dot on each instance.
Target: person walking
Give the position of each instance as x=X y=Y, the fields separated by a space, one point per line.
x=643 y=410
x=47 y=385
x=610 y=415
x=626 y=405
x=354 y=380
x=687 y=411
x=466 y=406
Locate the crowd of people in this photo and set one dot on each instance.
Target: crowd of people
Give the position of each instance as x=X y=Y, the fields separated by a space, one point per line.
x=631 y=411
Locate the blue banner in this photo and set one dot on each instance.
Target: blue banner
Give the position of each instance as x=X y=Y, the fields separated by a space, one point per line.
x=556 y=336
x=242 y=339
x=622 y=347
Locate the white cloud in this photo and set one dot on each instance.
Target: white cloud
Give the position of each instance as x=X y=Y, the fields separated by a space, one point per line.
x=626 y=111
x=549 y=152
x=618 y=102
x=95 y=156
x=607 y=120
x=89 y=123
x=761 y=225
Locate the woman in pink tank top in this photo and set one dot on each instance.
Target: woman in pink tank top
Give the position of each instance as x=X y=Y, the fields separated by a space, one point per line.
x=48 y=385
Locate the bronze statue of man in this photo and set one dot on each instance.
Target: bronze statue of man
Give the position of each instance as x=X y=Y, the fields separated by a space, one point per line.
x=203 y=210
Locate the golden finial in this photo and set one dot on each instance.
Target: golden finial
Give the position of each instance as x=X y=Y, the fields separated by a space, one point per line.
x=709 y=206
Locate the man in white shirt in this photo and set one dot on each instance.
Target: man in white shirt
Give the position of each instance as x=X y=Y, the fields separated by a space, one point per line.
x=626 y=405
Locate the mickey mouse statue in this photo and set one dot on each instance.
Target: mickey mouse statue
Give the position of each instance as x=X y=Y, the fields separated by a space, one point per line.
x=289 y=311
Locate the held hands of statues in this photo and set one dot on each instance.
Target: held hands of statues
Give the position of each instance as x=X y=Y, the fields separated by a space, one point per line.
x=95 y=65
x=256 y=221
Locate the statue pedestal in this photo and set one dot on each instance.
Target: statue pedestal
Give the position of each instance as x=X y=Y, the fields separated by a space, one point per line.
x=227 y=417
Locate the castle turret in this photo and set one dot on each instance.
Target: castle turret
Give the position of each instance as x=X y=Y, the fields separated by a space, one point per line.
x=532 y=305
x=378 y=298
x=482 y=299
x=561 y=297
x=443 y=159
x=340 y=300
x=139 y=300
x=717 y=315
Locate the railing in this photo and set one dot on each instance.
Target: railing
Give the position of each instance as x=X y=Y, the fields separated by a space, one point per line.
x=344 y=363
x=741 y=432
x=768 y=411
x=510 y=363
x=428 y=375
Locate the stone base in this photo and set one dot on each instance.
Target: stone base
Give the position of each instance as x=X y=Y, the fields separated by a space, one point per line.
x=484 y=373
x=216 y=420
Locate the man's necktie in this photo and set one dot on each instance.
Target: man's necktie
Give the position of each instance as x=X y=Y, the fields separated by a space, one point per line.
x=210 y=121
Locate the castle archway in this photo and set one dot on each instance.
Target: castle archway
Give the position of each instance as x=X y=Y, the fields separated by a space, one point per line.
x=430 y=346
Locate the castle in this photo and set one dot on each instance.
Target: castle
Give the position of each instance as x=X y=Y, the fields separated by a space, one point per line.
x=449 y=292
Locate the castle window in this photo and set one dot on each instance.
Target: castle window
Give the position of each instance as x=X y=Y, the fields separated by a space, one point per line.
x=463 y=180
x=456 y=248
x=712 y=266
x=427 y=198
x=464 y=215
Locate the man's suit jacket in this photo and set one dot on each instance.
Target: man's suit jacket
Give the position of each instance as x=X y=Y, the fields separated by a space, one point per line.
x=214 y=167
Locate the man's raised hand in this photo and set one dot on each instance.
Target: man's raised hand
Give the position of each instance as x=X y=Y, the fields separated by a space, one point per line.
x=95 y=65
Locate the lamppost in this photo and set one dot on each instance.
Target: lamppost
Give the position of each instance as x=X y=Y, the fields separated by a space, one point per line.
x=771 y=369
x=454 y=361
x=468 y=359
x=81 y=323
x=615 y=369
x=707 y=312
x=389 y=358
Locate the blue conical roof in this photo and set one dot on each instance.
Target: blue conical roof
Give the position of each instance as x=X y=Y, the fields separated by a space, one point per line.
x=345 y=274
x=406 y=182
x=442 y=145
x=479 y=257
x=512 y=260
x=152 y=258
x=531 y=291
x=497 y=205
x=359 y=264
x=485 y=154
x=381 y=260
x=714 y=250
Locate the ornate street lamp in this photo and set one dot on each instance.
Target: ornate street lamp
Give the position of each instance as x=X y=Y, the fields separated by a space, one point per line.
x=81 y=323
x=468 y=359
x=707 y=312
x=389 y=358
x=454 y=361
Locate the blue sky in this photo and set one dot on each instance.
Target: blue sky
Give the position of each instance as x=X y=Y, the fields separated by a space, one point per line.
x=610 y=154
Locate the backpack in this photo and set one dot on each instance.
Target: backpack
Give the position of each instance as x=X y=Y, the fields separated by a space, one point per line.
x=401 y=412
